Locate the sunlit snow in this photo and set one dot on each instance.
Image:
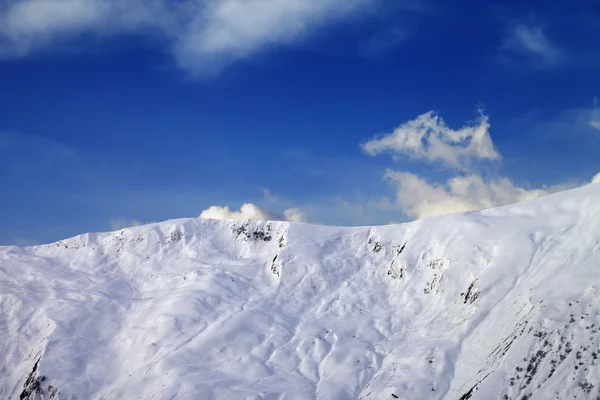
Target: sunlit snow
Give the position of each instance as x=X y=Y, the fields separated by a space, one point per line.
x=499 y=304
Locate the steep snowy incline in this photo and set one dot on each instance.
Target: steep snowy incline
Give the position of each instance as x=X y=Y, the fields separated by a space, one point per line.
x=499 y=304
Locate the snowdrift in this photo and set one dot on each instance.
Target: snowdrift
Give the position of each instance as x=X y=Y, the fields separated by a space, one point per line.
x=499 y=304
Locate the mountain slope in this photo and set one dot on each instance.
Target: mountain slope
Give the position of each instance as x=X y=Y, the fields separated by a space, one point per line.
x=502 y=303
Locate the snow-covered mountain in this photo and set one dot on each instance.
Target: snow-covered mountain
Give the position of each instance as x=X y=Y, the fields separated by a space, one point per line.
x=499 y=304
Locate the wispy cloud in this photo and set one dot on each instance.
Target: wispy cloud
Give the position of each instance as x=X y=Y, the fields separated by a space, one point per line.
x=530 y=43
x=427 y=138
x=268 y=196
x=595 y=115
x=46 y=147
x=385 y=40
x=203 y=35
x=34 y=156
x=578 y=123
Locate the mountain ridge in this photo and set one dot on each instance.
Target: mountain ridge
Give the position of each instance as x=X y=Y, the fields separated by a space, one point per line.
x=501 y=303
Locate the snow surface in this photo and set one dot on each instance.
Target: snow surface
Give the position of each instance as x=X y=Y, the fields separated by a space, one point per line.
x=499 y=304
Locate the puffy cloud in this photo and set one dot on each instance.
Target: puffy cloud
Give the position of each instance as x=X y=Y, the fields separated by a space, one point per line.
x=118 y=224
x=204 y=35
x=247 y=211
x=295 y=215
x=427 y=138
x=596 y=178
x=532 y=42
x=418 y=198
x=251 y=211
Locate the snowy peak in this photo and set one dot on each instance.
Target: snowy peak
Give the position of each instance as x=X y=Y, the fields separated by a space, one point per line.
x=498 y=304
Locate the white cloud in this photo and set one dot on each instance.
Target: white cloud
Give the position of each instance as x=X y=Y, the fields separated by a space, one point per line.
x=251 y=211
x=295 y=215
x=247 y=211
x=427 y=138
x=204 y=35
x=596 y=178
x=418 y=198
x=118 y=224
x=29 y=25
x=595 y=124
x=531 y=41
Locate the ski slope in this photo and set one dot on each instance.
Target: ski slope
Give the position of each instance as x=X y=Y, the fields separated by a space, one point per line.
x=499 y=304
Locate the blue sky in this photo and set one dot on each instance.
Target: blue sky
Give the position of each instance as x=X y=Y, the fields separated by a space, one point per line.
x=346 y=112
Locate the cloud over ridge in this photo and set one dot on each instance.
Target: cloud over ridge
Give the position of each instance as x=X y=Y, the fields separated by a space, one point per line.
x=253 y=212
x=419 y=198
x=428 y=139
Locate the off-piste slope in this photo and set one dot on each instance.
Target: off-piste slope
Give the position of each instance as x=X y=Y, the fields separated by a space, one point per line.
x=499 y=304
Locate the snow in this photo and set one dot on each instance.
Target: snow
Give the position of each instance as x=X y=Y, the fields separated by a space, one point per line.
x=497 y=304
